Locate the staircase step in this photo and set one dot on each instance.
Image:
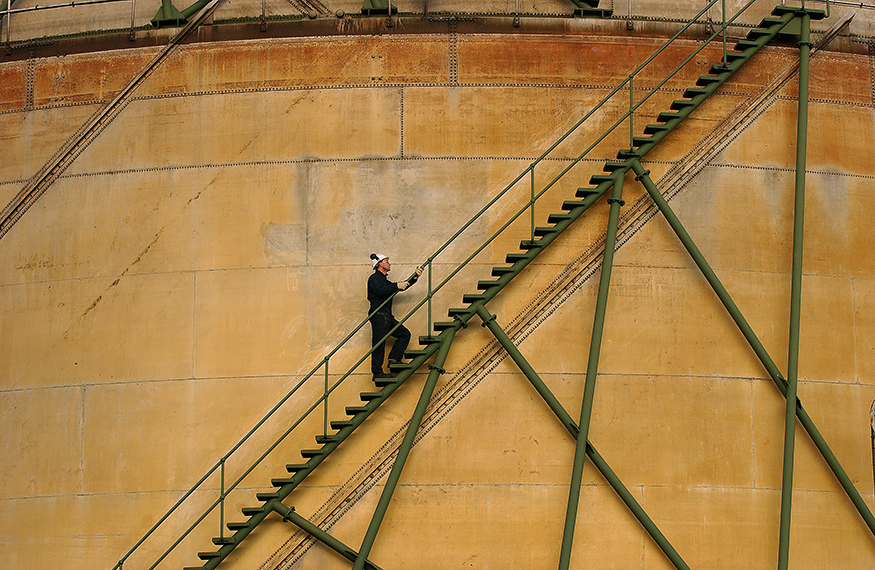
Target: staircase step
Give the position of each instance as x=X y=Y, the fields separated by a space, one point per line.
x=528 y=244
x=486 y=285
x=251 y=511
x=235 y=526
x=469 y=298
x=545 y=231
x=627 y=153
x=278 y=482
x=586 y=192
x=323 y=439
x=340 y=424
x=383 y=382
x=399 y=366
x=193 y=567
x=426 y=340
x=458 y=311
x=551 y=219
x=769 y=22
x=667 y=116
x=719 y=69
x=295 y=467
x=207 y=555
x=653 y=129
x=638 y=142
x=499 y=271
x=514 y=257
x=368 y=396
x=439 y=326
x=308 y=453
x=693 y=92
x=611 y=166
x=353 y=410
x=705 y=80
x=223 y=540
x=758 y=33
x=744 y=45
x=569 y=205
x=679 y=104
x=597 y=179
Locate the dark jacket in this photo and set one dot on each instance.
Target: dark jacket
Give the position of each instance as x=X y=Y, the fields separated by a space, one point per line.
x=380 y=289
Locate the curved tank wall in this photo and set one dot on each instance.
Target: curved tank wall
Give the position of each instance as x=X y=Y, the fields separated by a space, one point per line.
x=208 y=246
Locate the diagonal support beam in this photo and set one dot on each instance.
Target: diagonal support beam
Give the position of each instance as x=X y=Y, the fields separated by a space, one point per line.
x=795 y=297
x=766 y=360
x=565 y=418
x=289 y=514
x=591 y=371
x=385 y=498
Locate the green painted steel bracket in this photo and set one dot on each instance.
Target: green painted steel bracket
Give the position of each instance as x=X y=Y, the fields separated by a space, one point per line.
x=590 y=9
x=756 y=345
x=795 y=295
x=168 y=16
x=289 y=514
x=592 y=366
x=489 y=322
x=371 y=7
x=435 y=371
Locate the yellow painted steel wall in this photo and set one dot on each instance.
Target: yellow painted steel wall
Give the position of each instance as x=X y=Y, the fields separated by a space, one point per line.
x=210 y=246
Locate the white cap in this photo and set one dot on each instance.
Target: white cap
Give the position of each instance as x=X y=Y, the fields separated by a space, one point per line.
x=376 y=258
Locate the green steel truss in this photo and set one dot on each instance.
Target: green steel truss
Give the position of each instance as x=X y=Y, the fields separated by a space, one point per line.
x=435 y=347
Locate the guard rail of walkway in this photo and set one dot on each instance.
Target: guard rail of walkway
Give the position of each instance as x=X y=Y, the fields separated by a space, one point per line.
x=525 y=180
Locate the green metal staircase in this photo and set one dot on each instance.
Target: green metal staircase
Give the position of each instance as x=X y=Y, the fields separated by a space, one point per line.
x=615 y=170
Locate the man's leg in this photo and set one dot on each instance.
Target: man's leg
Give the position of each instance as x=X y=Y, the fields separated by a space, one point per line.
x=402 y=339
x=379 y=329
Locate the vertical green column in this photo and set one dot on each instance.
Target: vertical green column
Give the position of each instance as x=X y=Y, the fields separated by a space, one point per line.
x=795 y=297
x=755 y=344
x=404 y=450
x=591 y=372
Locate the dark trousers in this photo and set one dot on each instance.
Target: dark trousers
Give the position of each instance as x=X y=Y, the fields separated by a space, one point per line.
x=381 y=324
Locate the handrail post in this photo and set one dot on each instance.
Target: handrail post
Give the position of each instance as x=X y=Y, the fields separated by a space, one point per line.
x=795 y=296
x=430 y=328
x=222 y=501
x=631 y=113
x=325 y=407
x=532 y=200
x=591 y=371
x=723 y=33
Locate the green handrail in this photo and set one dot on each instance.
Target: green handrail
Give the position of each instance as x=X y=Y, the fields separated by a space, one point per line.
x=528 y=206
